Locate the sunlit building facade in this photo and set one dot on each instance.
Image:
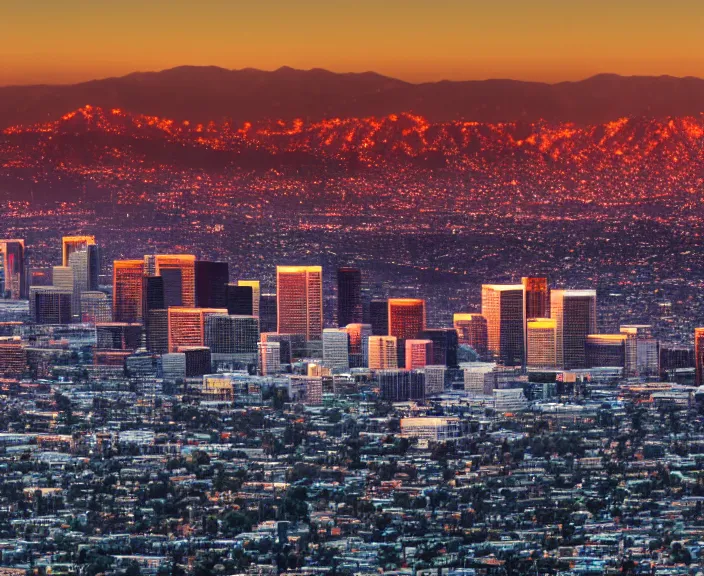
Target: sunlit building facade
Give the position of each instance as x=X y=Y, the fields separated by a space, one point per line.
x=419 y=353
x=299 y=293
x=127 y=290
x=540 y=347
x=187 y=325
x=13 y=272
x=472 y=331
x=71 y=244
x=406 y=321
x=574 y=312
x=383 y=352
x=502 y=306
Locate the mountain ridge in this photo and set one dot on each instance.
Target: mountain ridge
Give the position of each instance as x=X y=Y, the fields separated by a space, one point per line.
x=205 y=93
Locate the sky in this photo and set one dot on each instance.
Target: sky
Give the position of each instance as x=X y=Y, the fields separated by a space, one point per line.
x=65 y=41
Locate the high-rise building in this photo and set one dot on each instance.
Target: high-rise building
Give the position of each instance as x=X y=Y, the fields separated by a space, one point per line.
x=359 y=343
x=269 y=358
x=118 y=336
x=152 y=294
x=50 y=305
x=157 y=327
x=127 y=290
x=178 y=271
x=401 y=385
x=210 y=281
x=379 y=317
x=434 y=379
x=13 y=275
x=606 y=350
x=540 y=335
x=187 y=325
x=406 y=321
x=502 y=306
x=574 y=312
x=349 y=296
x=256 y=294
x=336 y=349
x=445 y=343
x=643 y=350
x=472 y=331
x=85 y=265
x=306 y=389
x=95 y=307
x=220 y=334
x=240 y=300
x=536 y=302
x=419 y=353
x=64 y=279
x=299 y=293
x=383 y=352
x=71 y=244
x=267 y=313
x=699 y=356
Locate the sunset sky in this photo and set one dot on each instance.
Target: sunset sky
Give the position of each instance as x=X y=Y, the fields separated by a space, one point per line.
x=60 y=41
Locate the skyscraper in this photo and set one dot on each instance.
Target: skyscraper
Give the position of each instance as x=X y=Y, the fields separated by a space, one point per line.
x=349 y=296
x=536 y=302
x=336 y=349
x=379 y=317
x=187 y=326
x=239 y=300
x=643 y=350
x=606 y=350
x=541 y=343
x=85 y=264
x=359 y=343
x=256 y=294
x=127 y=290
x=50 y=305
x=210 y=281
x=502 y=306
x=445 y=344
x=95 y=307
x=472 y=331
x=178 y=271
x=71 y=244
x=419 y=353
x=699 y=356
x=383 y=352
x=267 y=313
x=13 y=275
x=63 y=278
x=269 y=358
x=574 y=312
x=299 y=293
x=406 y=321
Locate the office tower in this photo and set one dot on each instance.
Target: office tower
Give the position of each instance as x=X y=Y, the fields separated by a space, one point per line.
x=13 y=359
x=178 y=271
x=502 y=306
x=379 y=317
x=306 y=390
x=383 y=352
x=239 y=300
x=336 y=349
x=13 y=279
x=71 y=244
x=478 y=377
x=699 y=356
x=210 y=281
x=95 y=307
x=246 y=334
x=472 y=331
x=152 y=294
x=606 y=350
x=406 y=321
x=419 y=353
x=269 y=358
x=220 y=334
x=157 y=328
x=256 y=294
x=434 y=379
x=540 y=348
x=445 y=343
x=127 y=290
x=173 y=366
x=574 y=312
x=673 y=358
x=64 y=280
x=401 y=385
x=643 y=350
x=84 y=264
x=118 y=336
x=187 y=326
x=536 y=302
x=267 y=313
x=349 y=296
x=198 y=360
x=299 y=293
x=359 y=344
x=50 y=305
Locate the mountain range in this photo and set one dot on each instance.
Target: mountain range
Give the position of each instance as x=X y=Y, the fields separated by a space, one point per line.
x=208 y=93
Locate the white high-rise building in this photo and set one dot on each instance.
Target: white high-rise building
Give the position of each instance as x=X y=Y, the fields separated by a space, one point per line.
x=336 y=349
x=269 y=358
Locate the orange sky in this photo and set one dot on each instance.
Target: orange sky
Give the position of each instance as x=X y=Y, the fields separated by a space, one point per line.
x=550 y=40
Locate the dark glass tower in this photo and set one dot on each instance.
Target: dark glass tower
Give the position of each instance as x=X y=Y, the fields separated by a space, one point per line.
x=211 y=281
x=349 y=296
x=379 y=317
x=239 y=300
x=267 y=313
x=445 y=344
